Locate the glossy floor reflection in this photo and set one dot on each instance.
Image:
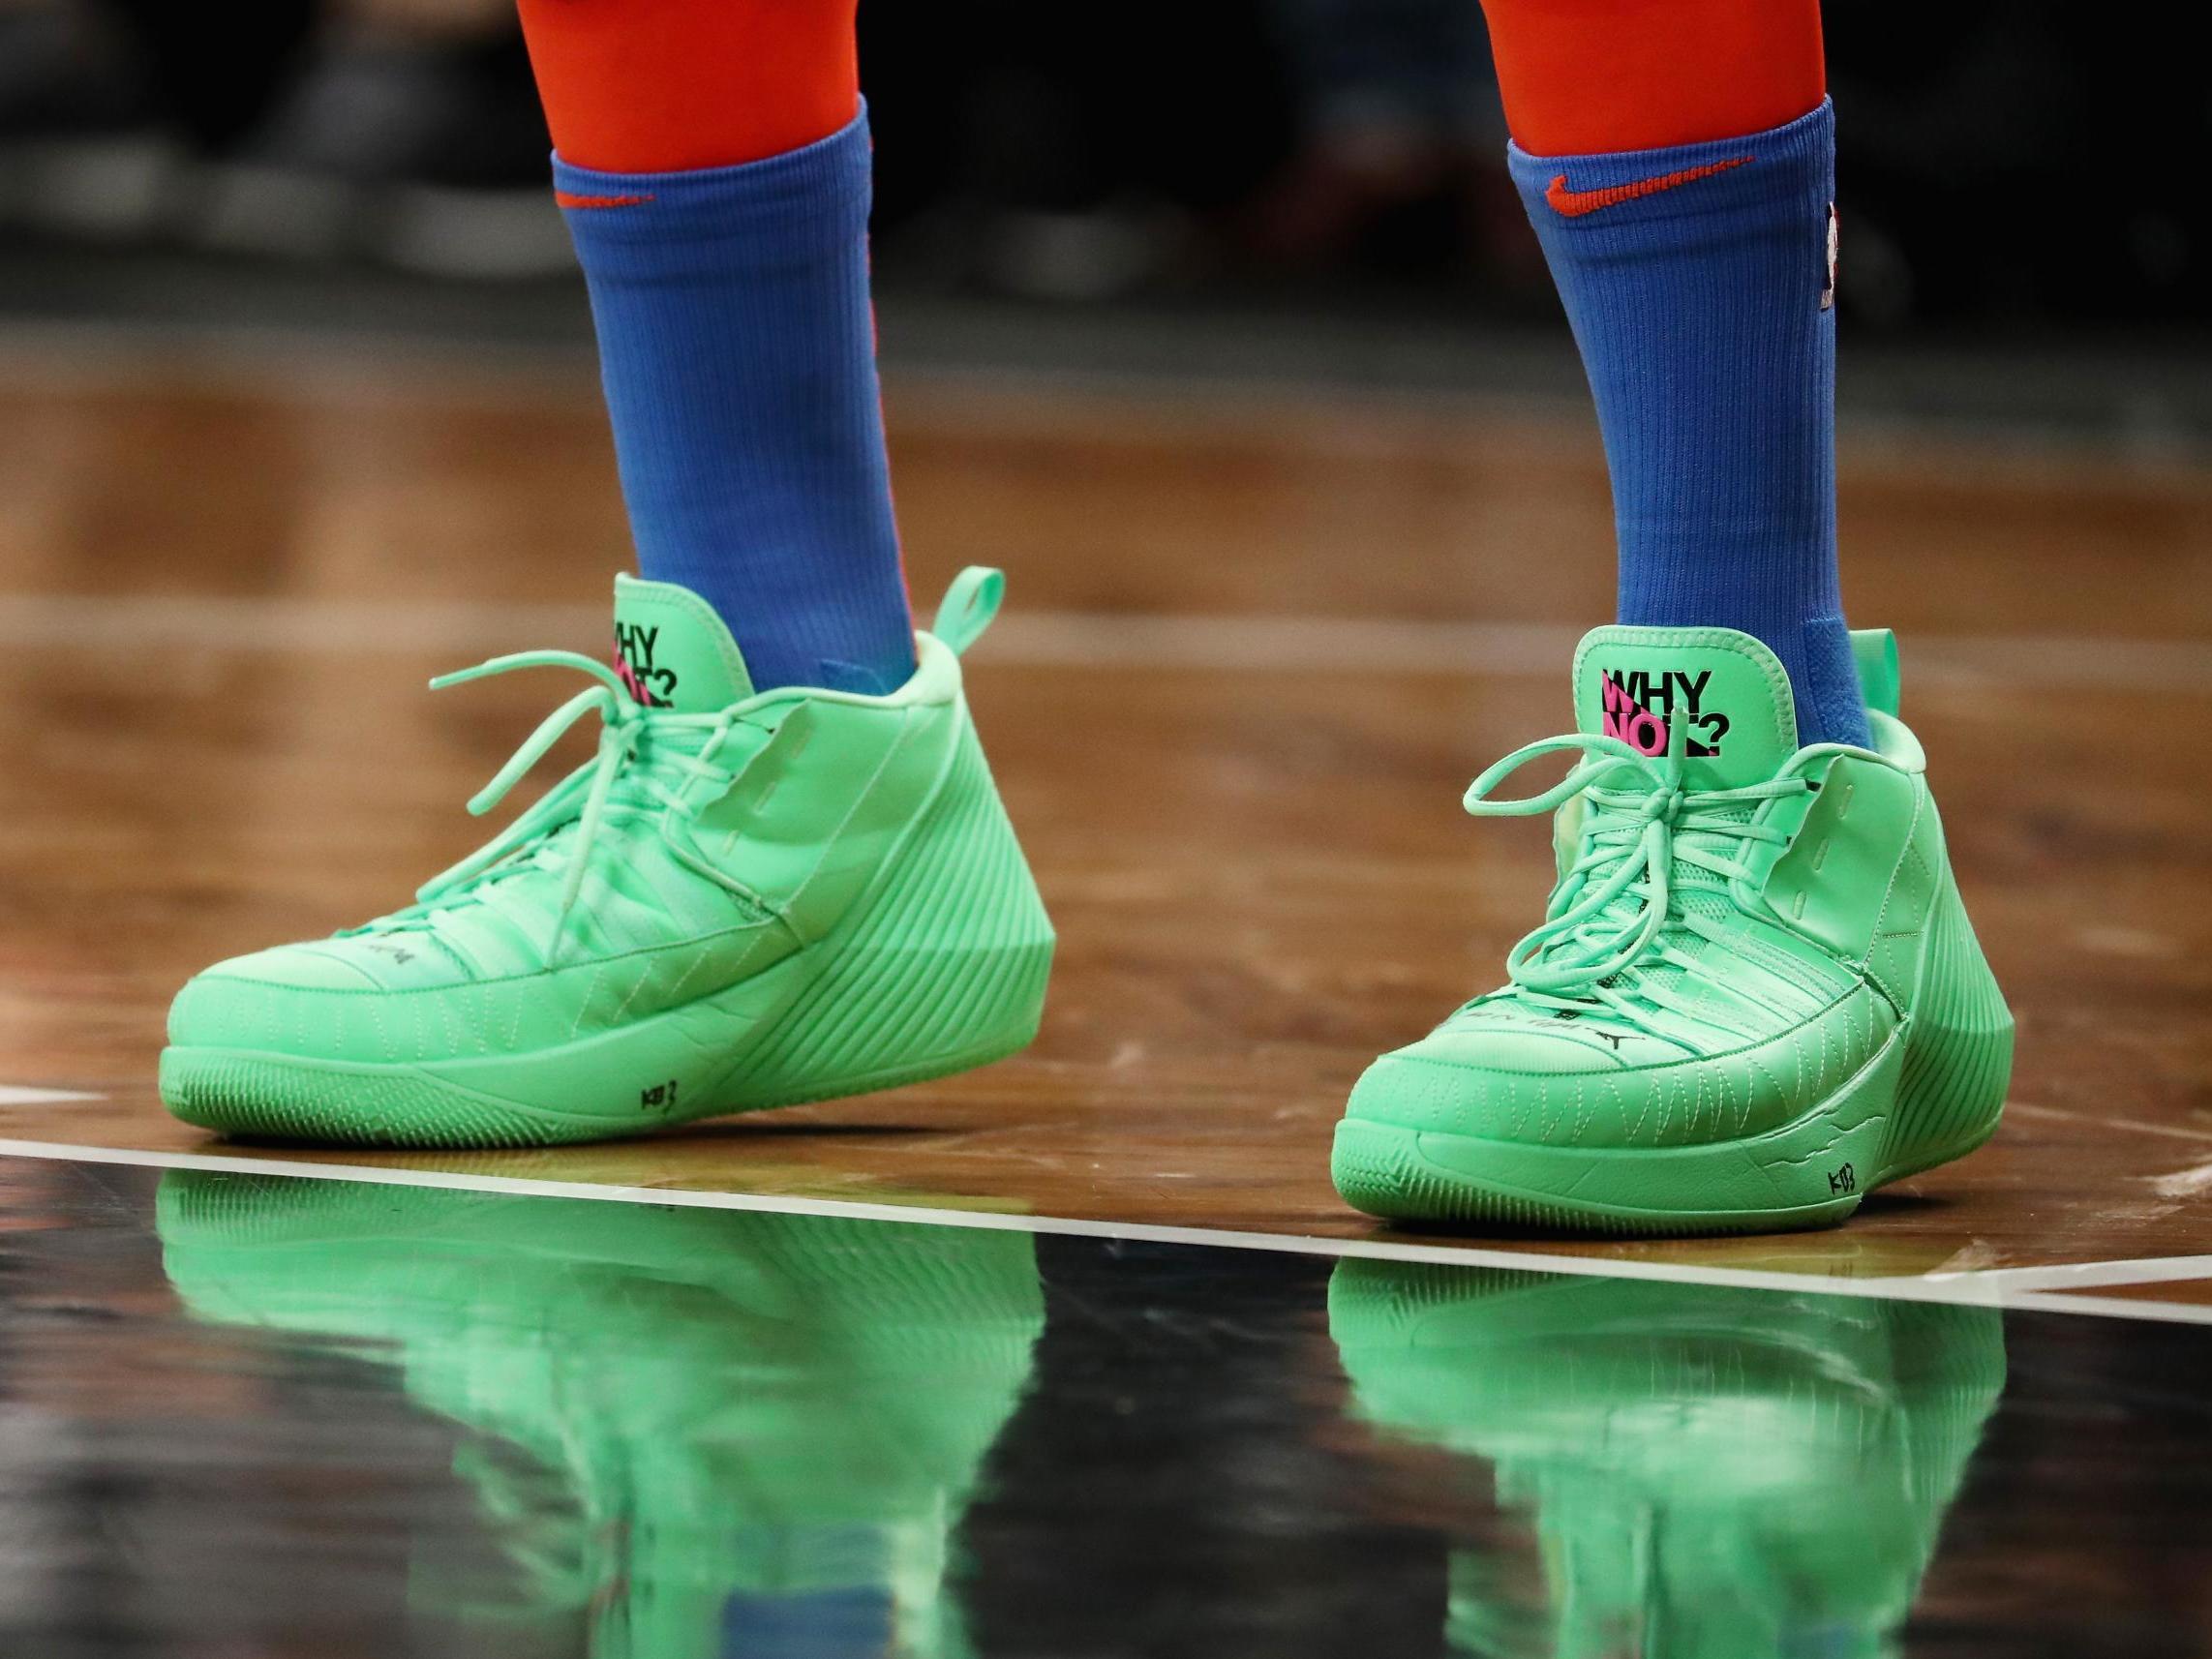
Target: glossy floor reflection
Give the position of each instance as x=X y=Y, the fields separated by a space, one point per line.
x=1707 y=1475
x=259 y=1417
x=689 y=1431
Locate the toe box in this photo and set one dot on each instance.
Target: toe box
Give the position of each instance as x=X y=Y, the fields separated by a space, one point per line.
x=294 y=999
x=1492 y=1081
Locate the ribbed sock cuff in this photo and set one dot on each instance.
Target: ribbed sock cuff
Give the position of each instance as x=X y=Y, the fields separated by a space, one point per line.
x=756 y=215
x=1703 y=189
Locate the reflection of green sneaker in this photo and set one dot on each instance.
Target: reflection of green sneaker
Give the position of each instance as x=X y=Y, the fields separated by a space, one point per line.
x=694 y=1430
x=744 y=901
x=1713 y=1474
x=1755 y=996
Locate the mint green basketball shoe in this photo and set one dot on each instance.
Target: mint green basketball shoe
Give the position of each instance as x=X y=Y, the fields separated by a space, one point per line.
x=1709 y=1472
x=746 y=901
x=1755 y=996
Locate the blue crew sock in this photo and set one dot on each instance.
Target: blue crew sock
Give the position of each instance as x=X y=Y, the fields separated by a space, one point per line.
x=1700 y=286
x=738 y=347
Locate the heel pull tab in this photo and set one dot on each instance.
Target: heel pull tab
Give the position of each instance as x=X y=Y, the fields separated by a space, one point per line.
x=1875 y=649
x=968 y=607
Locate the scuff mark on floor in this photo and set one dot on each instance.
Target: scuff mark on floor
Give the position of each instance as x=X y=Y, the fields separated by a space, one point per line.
x=2184 y=1183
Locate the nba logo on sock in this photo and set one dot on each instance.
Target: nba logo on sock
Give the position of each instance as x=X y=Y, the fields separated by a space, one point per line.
x=1827 y=292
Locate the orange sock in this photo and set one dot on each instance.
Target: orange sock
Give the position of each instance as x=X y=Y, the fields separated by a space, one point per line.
x=651 y=86
x=1586 y=76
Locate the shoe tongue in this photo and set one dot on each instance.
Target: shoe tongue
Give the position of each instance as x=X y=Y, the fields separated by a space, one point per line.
x=674 y=652
x=1631 y=683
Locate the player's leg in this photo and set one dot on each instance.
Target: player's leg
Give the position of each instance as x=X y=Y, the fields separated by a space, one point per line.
x=712 y=160
x=1678 y=159
x=786 y=874
x=1755 y=995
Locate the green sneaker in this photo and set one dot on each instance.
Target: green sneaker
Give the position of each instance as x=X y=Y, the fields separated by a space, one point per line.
x=746 y=901
x=689 y=1433
x=1755 y=996
x=1710 y=1473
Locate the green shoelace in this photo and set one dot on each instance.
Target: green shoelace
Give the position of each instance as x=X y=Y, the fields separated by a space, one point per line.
x=647 y=760
x=1618 y=908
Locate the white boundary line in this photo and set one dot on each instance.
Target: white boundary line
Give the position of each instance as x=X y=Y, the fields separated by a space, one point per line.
x=1970 y=1289
x=18 y=1094
x=2085 y=1275
x=1054 y=639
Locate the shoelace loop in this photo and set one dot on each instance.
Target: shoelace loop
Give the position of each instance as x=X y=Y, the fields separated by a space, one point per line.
x=624 y=724
x=1641 y=813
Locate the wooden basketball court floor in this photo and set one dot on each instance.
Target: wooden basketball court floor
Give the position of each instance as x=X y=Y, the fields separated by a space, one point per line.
x=1257 y=640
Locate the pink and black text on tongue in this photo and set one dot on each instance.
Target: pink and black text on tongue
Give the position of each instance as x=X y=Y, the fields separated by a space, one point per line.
x=672 y=651
x=1724 y=689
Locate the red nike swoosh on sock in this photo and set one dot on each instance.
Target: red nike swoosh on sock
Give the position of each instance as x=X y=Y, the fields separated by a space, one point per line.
x=1574 y=203
x=563 y=198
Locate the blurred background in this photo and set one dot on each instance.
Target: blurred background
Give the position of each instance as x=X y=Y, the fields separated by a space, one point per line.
x=1239 y=188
